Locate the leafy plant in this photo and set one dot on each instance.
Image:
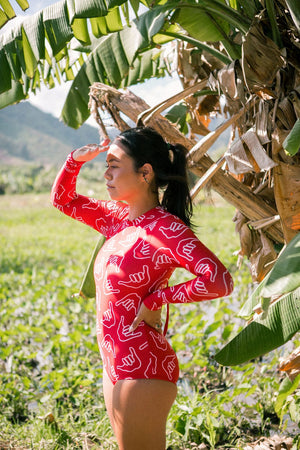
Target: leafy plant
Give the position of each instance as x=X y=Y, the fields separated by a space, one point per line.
x=276 y=298
x=109 y=52
x=50 y=378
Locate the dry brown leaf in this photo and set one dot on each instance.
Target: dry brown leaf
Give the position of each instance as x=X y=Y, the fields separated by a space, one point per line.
x=205 y=143
x=263 y=256
x=273 y=443
x=278 y=136
x=287 y=197
x=227 y=81
x=261 y=122
x=247 y=154
x=285 y=114
x=294 y=97
x=291 y=364
x=261 y=60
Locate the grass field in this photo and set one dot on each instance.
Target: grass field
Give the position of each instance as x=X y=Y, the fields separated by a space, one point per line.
x=50 y=369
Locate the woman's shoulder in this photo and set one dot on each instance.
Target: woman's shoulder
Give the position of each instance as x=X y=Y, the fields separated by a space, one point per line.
x=169 y=224
x=166 y=217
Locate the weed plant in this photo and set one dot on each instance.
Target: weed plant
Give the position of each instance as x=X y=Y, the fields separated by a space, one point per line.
x=50 y=369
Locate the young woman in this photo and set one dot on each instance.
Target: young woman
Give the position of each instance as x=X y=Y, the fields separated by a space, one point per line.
x=148 y=236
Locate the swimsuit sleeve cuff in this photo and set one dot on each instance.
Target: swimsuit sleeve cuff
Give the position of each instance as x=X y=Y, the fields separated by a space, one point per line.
x=72 y=161
x=153 y=301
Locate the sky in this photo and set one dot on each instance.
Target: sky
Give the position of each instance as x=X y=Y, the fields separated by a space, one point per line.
x=51 y=101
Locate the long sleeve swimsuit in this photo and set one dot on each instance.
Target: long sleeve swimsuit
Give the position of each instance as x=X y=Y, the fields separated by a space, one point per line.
x=134 y=266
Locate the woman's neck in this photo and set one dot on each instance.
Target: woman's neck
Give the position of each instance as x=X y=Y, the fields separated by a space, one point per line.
x=138 y=208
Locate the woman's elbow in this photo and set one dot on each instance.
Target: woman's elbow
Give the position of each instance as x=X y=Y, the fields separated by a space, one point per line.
x=53 y=196
x=228 y=284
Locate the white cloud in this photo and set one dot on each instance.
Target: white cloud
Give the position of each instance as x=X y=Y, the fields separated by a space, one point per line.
x=50 y=100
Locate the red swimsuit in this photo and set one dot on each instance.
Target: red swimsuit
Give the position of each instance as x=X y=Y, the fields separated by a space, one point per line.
x=134 y=266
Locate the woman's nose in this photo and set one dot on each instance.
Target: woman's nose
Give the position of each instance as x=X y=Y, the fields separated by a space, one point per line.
x=107 y=175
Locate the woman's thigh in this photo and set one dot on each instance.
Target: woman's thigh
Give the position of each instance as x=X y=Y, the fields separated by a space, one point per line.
x=138 y=411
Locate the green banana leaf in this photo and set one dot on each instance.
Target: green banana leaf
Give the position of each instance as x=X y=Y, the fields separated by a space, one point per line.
x=119 y=60
x=15 y=94
x=280 y=321
x=291 y=144
x=110 y=63
x=286 y=389
x=294 y=8
x=58 y=23
x=23 y=51
x=87 y=288
x=264 y=335
x=7 y=12
x=178 y=115
x=285 y=274
x=247 y=310
x=283 y=278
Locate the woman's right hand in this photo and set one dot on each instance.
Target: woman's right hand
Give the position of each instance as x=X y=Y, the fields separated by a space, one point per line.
x=90 y=151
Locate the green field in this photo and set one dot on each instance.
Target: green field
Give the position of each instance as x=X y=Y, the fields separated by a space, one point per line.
x=50 y=369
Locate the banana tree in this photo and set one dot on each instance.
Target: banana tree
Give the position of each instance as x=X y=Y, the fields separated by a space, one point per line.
x=41 y=48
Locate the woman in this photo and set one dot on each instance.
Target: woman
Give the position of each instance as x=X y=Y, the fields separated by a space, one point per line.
x=148 y=236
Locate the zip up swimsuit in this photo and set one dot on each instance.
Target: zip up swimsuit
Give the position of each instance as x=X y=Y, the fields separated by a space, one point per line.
x=134 y=266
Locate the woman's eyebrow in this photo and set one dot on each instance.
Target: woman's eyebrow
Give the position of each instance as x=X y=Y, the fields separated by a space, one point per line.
x=112 y=159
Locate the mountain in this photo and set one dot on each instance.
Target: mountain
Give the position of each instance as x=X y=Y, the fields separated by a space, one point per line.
x=29 y=135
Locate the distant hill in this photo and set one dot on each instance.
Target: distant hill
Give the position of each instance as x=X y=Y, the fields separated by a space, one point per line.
x=29 y=135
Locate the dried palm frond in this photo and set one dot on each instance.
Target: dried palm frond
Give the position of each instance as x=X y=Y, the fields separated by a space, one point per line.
x=227 y=81
x=287 y=194
x=294 y=97
x=261 y=60
x=205 y=143
x=247 y=154
x=262 y=122
x=291 y=364
x=285 y=114
x=263 y=256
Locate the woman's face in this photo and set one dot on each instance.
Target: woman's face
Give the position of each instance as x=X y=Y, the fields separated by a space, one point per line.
x=123 y=181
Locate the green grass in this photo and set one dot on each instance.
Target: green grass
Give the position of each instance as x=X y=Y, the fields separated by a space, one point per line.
x=49 y=360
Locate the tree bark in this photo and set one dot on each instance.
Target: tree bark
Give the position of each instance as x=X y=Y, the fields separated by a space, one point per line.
x=234 y=192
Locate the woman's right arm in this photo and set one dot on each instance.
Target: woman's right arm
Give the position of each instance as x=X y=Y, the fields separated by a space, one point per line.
x=64 y=196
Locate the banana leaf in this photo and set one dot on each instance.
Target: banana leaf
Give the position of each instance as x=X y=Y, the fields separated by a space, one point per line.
x=247 y=310
x=283 y=278
x=7 y=12
x=87 y=288
x=110 y=63
x=24 y=47
x=294 y=8
x=280 y=321
x=15 y=94
x=264 y=335
x=291 y=143
x=285 y=274
x=178 y=115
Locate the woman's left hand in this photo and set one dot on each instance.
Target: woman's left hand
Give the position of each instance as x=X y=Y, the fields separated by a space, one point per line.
x=152 y=318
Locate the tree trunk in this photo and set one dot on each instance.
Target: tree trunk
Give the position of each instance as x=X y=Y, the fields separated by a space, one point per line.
x=234 y=192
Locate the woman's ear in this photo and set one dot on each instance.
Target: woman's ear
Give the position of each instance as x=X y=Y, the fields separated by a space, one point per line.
x=147 y=171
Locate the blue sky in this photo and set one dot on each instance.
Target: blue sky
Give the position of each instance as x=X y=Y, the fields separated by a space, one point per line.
x=153 y=91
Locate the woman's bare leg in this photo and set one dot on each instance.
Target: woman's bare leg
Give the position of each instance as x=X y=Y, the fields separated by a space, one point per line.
x=138 y=411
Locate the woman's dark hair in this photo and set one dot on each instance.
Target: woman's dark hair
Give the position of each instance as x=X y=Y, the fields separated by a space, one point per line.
x=145 y=145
